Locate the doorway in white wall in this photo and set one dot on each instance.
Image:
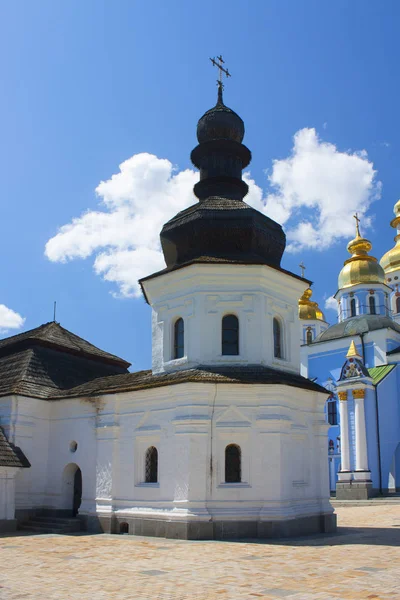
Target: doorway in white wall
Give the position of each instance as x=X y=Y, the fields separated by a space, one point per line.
x=72 y=488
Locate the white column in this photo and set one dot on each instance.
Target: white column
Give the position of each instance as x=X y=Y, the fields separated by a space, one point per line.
x=344 y=473
x=360 y=431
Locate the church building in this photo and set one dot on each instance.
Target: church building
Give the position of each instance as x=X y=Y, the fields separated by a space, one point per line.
x=357 y=360
x=223 y=437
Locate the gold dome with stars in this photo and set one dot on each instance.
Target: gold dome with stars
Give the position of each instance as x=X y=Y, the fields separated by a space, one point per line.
x=360 y=267
x=391 y=260
x=309 y=310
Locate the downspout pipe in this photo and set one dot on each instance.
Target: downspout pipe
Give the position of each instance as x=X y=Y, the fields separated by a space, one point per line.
x=378 y=439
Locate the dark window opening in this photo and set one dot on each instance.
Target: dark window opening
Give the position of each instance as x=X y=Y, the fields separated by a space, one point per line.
x=332 y=412
x=309 y=336
x=372 y=308
x=179 y=345
x=230 y=335
x=124 y=528
x=151 y=465
x=277 y=339
x=331 y=447
x=233 y=466
x=398 y=304
x=353 y=311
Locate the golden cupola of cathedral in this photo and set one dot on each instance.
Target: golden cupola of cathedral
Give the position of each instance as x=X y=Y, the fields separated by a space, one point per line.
x=360 y=267
x=309 y=310
x=391 y=260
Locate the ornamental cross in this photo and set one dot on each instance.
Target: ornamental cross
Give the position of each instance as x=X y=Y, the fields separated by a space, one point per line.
x=218 y=62
x=357 y=224
x=302 y=267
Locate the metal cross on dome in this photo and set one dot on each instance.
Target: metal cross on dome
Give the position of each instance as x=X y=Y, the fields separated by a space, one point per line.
x=302 y=267
x=218 y=62
x=357 y=224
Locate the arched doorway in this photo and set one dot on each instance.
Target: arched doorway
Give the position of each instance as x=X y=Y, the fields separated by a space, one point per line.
x=71 y=496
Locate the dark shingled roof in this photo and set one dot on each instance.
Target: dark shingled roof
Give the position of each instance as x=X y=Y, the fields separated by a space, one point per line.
x=10 y=455
x=44 y=361
x=356 y=326
x=202 y=374
x=52 y=335
x=53 y=371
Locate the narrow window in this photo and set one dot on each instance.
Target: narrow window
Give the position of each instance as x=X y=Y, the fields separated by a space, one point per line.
x=309 y=335
x=233 y=466
x=353 y=307
x=151 y=465
x=230 y=335
x=179 y=330
x=277 y=339
x=332 y=412
x=398 y=304
x=331 y=447
x=372 y=308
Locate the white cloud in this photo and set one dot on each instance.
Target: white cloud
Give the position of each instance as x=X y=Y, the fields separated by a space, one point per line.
x=318 y=189
x=313 y=192
x=331 y=304
x=9 y=319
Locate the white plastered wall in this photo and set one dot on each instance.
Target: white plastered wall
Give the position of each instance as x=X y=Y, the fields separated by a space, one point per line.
x=202 y=294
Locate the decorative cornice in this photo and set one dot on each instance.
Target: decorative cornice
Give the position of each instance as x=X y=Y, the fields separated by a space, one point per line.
x=359 y=393
x=342 y=395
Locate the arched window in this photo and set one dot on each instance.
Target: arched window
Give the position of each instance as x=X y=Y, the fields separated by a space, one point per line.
x=353 y=311
x=277 y=338
x=151 y=465
x=372 y=308
x=332 y=412
x=230 y=335
x=179 y=346
x=233 y=464
x=124 y=528
x=308 y=335
x=398 y=304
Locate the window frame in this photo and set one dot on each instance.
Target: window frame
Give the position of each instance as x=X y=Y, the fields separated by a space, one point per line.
x=149 y=455
x=280 y=346
x=372 y=304
x=228 y=469
x=353 y=304
x=178 y=338
x=236 y=342
x=332 y=413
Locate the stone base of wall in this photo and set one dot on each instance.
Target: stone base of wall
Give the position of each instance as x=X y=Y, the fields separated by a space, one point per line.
x=7 y=525
x=355 y=490
x=211 y=530
x=25 y=514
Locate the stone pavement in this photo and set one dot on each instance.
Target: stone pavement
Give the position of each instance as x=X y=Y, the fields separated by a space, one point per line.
x=361 y=561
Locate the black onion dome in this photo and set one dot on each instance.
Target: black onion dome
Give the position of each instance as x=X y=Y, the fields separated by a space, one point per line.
x=221 y=227
x=220 y=123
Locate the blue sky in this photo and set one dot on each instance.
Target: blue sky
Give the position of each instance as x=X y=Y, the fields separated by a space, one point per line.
x=88 y=85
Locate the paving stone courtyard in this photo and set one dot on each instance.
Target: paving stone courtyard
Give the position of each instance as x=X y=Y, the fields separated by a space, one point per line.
x=361 y=561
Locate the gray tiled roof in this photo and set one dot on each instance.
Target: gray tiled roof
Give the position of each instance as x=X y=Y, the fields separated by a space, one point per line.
x=54 y=336
x=203 y=374
x=10 y=455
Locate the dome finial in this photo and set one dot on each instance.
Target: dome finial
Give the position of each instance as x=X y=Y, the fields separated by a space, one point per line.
x=218 y=62
x=357 y=225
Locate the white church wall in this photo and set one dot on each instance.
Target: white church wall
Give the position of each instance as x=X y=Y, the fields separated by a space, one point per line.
x=191 y=425
x=202 y=294
x=27 y=426
x=71 y=421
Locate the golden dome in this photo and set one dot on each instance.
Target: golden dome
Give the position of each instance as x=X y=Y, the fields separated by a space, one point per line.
x=308 y=309
x=391 y=260
x=360 y=267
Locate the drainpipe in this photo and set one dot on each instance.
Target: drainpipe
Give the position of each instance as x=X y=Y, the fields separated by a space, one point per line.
x=378 y=439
